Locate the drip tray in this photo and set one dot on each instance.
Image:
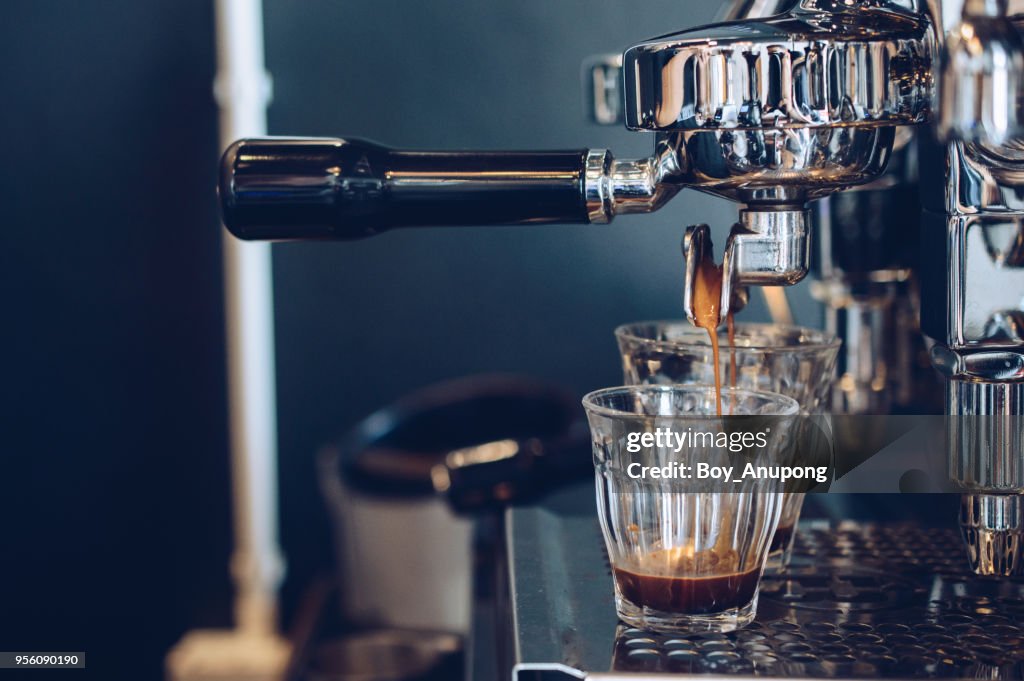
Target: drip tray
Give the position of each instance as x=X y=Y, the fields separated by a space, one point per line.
x=859 y=601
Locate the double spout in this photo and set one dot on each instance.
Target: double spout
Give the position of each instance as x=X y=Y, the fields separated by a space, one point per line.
x=767 y=247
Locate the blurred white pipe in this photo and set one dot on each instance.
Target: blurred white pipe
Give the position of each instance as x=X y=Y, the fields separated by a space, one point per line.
x=243 y=93
x=253 y=650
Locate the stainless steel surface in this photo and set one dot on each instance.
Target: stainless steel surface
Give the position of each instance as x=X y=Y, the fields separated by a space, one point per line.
x=981 y=178
x=845 y=66
x=864 y=360
x=861 y=601
x=882 y=366
x=597 y=189
x=866 y=242
x=631 y=186
x=986 y=434
x=970 y=277
x=982 y=74
x=971 y=274
x=735 y=10
x=771 y=166
x=697 y=247
x=994 y=534
x=767 y=248
x=820 y=63
x=985 y=439
x=975 y=293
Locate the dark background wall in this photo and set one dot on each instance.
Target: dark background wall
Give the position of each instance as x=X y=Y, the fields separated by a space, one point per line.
x=114 y=485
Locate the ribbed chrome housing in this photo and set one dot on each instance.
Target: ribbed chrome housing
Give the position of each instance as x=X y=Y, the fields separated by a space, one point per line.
x=821 y=63
x=986 y=446
x=986 y=435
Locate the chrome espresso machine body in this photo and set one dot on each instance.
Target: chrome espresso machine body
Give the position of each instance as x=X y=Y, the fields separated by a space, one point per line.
x=784 y=103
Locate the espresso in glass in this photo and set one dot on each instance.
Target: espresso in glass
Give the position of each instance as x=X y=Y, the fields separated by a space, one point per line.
x=656 y=583
x=686 y=556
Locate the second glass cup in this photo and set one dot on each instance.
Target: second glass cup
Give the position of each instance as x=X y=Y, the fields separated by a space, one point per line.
x=790 y=360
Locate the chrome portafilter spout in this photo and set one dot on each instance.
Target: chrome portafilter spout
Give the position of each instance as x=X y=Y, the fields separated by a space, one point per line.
x=698 y=249
x=767 y=247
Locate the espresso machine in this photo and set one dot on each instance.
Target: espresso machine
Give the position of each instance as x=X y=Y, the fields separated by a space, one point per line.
x=875 y=142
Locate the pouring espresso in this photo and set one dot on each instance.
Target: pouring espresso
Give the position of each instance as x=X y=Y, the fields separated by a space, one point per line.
x=707 y=314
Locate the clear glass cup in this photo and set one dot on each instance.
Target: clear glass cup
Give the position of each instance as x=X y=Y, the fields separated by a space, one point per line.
x=686 y=555
x=790 y=360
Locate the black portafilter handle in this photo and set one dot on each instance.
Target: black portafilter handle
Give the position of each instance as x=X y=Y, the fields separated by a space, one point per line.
x=291 y=188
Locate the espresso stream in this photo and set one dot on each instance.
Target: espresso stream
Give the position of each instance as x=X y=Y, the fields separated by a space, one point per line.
x=714 y=582
x=707 y=301
x=707 y=314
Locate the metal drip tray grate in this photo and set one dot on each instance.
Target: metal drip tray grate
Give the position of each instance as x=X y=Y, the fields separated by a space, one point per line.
x=859 y=601
x=942 y=640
